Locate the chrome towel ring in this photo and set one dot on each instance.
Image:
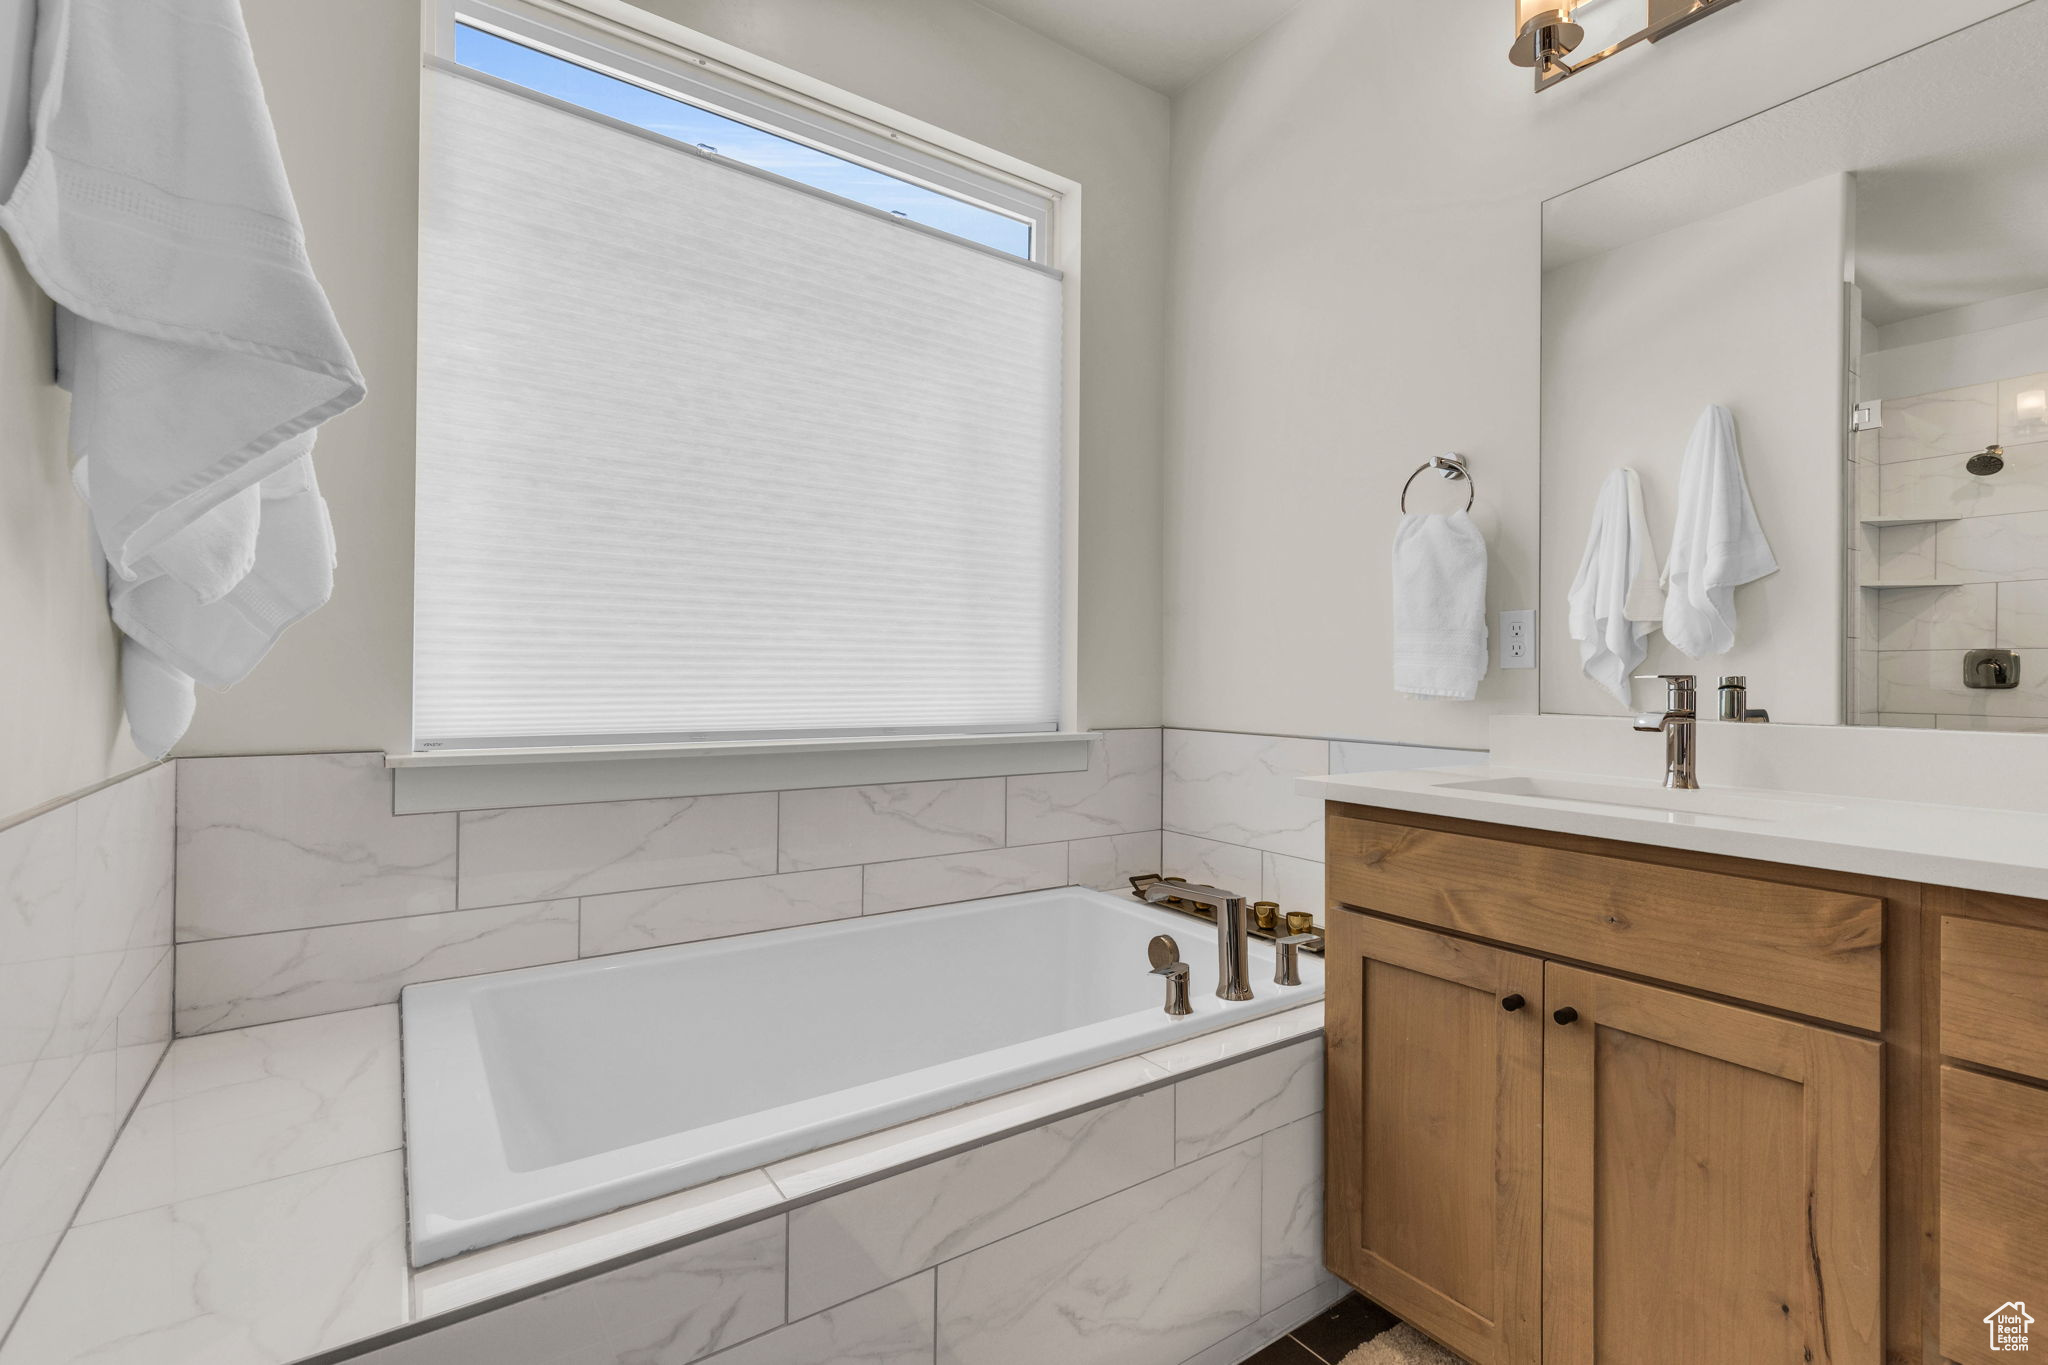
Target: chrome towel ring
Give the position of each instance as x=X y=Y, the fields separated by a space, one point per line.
x=1451 y=467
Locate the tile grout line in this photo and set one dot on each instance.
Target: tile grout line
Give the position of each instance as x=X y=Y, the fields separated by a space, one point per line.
x=167 y=961
x=71 y=1219
x=405 y=919
x=1311 y=1351
x=177 y=766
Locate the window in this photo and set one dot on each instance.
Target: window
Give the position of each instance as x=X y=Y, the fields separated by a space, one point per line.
x=733 y=424
x=699 y=127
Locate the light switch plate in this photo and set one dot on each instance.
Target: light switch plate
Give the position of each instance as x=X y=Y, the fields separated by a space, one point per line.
x=1518 y=639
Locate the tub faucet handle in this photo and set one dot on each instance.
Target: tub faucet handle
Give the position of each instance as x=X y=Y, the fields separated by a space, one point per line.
x=1165 y=956
x=1287 y=966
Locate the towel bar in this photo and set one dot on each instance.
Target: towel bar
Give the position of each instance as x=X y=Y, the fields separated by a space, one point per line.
x=1453 y=467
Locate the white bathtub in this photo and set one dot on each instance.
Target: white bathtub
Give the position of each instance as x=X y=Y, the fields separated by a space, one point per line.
x=539 y=1097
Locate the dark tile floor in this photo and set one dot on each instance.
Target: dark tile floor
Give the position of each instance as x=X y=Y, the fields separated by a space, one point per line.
x=1329 y=1338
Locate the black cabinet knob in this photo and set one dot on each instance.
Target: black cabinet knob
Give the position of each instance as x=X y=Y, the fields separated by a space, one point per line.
x=1513 y=1003
x=1567 y=1015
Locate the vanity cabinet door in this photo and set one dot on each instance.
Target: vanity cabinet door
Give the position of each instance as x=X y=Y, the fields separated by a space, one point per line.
x=1994 y=1213
x=1712 y=1182
x=1435 y=1132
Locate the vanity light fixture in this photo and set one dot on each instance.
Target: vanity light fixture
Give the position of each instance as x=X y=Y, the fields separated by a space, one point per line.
x=1546 y=32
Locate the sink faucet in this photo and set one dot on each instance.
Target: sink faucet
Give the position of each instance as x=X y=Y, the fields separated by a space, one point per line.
x=1735 y=701
x=1233 y=932
x=1677 y=720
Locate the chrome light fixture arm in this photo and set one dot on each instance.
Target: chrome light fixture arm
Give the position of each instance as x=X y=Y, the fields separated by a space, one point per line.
x=1546 y=38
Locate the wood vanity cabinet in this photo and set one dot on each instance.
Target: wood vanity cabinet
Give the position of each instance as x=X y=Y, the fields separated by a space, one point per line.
x=1993 y=1128
x=1435 y=1089
x=1601 y=1102
x=1711 y=1181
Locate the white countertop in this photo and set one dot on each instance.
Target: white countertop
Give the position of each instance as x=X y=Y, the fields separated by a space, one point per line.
x=1977 y=848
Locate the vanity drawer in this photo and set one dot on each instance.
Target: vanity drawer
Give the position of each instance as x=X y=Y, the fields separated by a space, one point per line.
x=1994 y=993
x=1801 y=949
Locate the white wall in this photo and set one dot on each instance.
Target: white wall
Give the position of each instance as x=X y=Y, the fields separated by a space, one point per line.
x=1957 y=347
x=342 y=82
x=1356 y=287
x=1744 y=309
x=60 y=710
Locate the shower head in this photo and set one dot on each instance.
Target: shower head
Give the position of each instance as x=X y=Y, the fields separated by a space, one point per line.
x=1990 y=461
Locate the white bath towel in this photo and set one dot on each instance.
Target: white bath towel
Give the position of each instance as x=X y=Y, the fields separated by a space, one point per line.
x=1615 y=604
x=199 y=349
x=1439 y=606
x=1717 y=544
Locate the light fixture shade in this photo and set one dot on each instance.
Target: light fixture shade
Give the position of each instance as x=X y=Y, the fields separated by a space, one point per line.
x=1525 y=10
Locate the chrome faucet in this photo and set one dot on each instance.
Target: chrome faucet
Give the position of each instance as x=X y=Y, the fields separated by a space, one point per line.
x=1735 y=705
x=1165 y=956
x=1233 y=932
x=1287 y=957
x=1677 y=721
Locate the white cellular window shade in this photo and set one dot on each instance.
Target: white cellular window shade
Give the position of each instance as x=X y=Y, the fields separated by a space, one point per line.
x=704 y=455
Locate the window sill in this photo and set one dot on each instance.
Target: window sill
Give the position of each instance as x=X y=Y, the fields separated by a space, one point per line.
x=491 y=779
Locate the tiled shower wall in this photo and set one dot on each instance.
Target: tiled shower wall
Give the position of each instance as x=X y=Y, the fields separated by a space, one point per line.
x=1910 y=642
x=85 y=1002
x=300 y=893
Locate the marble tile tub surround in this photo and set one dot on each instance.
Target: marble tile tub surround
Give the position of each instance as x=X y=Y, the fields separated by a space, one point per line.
x=301 y=893
x=1230 y=814
x=252 y=1213
x=1116 y=1234
x=85 y=1001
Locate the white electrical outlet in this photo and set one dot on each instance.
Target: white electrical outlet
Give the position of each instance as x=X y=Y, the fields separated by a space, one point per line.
x=1518 y=639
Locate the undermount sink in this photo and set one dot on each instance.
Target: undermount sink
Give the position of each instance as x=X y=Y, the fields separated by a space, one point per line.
x=1661 y=800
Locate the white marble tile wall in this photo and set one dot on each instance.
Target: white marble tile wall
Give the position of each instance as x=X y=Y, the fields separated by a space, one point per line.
x=851 y=1243
x=1230 y=815
x=85 y=1002
x=1992 y=541
x=300 y=893
x=1148 y=1276
x=1951 y=422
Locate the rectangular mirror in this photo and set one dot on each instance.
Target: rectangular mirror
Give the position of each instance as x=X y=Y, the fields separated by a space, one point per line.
x=1860 y=278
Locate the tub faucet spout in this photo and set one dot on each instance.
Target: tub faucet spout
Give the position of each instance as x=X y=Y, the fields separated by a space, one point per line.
x=1233 y=932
